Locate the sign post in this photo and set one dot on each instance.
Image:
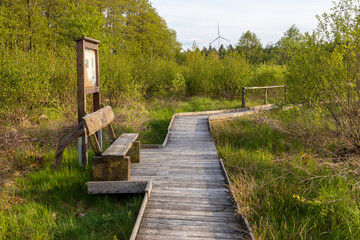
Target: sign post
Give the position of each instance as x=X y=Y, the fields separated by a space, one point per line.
x=88 y=82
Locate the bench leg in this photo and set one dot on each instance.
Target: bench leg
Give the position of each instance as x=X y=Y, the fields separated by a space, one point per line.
x=134 y=152
x=110 y=170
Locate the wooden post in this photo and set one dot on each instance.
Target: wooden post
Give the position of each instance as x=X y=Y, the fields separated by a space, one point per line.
x=285 y=94
x=265 y=100
x=81 y=98
x=243 y=97
x=87 y=83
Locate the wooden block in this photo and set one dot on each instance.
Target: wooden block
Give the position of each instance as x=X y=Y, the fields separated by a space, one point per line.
x=113 y=169
x=134 y=152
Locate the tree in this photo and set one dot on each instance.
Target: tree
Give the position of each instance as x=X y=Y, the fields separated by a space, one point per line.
x=249 y=45
x=324 y=70
x=288 y=43
x=222 y=52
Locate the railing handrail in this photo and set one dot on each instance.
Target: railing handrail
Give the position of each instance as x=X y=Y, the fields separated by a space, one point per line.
x=264 y=87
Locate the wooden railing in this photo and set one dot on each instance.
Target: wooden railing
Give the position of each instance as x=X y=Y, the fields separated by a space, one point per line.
x=266 y=93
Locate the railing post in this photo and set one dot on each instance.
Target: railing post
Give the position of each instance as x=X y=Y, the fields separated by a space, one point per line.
x=265 y=100
x=243 y=97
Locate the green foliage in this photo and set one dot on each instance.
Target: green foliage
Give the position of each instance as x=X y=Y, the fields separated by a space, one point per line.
x=250 y=46
x=232 y=74
x=288 y=44
x=326 y=65
x=35 y=78
x=212 y=76
x=268 y=74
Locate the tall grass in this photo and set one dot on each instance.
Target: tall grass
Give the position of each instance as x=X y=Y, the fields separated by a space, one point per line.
x=285 y=188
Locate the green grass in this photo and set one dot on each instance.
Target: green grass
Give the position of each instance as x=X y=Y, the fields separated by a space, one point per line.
x=286 y=189
x=55 y=205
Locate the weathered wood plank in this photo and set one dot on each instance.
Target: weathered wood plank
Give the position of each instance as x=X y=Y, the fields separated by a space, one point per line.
x=121 y=146
x=227 y=218
x=116 y=187
x=190 y=199
x=142 y=172
x=189 y=224
x=98 y=120
x=166 y=237
x=187 y=184
x=189 y=233
x=66 y=140
x=95 y=144
x=179 y=178
x=191 y=213
x=183 y=207
x=139 y=218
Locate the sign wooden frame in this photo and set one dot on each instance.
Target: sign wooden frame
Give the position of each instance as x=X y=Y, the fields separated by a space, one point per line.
x=84 y=87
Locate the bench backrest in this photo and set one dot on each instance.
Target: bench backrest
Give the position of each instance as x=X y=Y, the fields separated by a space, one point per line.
x=96 y=121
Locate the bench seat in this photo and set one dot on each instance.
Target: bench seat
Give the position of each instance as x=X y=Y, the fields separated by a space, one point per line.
x=121 y=146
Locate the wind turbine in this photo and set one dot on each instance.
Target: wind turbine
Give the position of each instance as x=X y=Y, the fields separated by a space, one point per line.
x=219 y=38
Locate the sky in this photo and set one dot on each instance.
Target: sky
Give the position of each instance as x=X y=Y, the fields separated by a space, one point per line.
x=197 y=20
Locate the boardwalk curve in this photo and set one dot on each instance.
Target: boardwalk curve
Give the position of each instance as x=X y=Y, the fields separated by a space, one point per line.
x=189 y=197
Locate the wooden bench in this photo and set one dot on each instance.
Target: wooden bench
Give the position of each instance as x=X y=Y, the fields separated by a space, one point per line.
x=114 y=163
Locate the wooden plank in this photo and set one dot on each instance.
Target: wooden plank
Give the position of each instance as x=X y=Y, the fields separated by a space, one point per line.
x=177 y=206
x=227 y=218
x=116 y=187
x=188 y=184
x=190 y=200
x=66 y=140
x=95 y=144
x=141 y=211
x=174 y=233
x=166 y=237
x=190 y=195
x=179 y=178
x=121 y=146
x=178 y=167
x=192 y=224
x=191 y=213
x=154 y=172
x=98 y=120
x=111 y=133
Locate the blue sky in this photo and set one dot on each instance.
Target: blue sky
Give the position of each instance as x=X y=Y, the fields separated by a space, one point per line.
x=197 y=20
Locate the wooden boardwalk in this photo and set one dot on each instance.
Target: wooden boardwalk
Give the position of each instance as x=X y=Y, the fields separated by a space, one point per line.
x=189 y=198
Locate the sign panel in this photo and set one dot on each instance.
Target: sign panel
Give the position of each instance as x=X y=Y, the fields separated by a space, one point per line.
x=90 y=68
